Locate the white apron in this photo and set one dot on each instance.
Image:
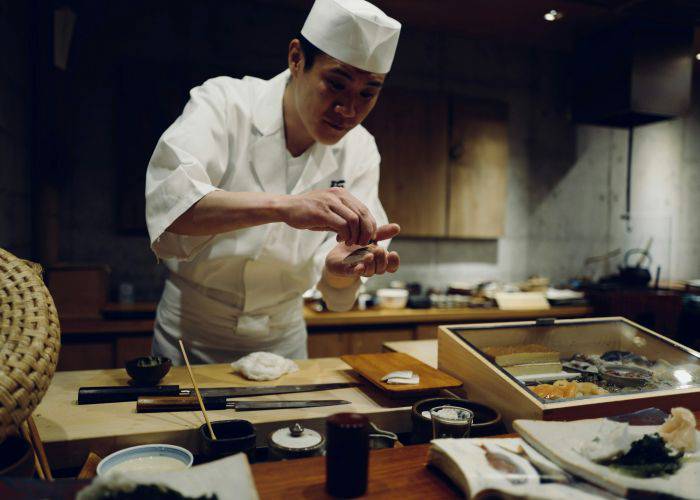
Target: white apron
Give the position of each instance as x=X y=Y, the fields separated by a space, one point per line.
x=214 y=328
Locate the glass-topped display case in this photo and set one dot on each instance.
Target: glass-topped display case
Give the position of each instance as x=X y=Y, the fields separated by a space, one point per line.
x=570 y=369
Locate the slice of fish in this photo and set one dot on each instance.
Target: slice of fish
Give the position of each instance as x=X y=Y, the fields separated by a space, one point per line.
x=406 y=381
x=398 y=374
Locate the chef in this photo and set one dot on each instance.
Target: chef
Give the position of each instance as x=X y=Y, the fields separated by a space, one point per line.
x=261 y=189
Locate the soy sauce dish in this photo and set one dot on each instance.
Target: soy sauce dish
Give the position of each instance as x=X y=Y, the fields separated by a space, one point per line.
x=148 y=370
x=147 y=458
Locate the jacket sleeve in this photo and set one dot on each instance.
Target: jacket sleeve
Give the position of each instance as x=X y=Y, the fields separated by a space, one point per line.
x=188 y=163
x=365 y=187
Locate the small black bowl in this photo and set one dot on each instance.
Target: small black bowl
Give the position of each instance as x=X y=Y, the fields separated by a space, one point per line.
x=487 y=421
x=232 y=436
x=148 y=370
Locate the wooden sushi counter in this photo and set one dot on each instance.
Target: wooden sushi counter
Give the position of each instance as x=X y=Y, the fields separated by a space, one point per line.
x=70 y=431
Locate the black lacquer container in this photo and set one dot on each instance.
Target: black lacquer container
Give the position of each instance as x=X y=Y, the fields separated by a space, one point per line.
x=347 y=454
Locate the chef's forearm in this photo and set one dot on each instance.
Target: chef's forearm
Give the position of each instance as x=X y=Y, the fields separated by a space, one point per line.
x=223 y=211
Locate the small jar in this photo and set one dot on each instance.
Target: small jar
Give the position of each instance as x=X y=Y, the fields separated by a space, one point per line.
x=294 y=442
x=347 y=454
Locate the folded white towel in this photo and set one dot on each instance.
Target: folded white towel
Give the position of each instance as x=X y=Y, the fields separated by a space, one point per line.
x=264 y=366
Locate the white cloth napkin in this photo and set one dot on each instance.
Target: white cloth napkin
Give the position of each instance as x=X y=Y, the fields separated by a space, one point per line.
x=264 y=366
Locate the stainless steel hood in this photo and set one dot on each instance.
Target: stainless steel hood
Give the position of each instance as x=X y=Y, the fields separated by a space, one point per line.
x=636 y=72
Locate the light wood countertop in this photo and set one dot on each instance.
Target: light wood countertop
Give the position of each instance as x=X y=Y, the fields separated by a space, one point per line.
x=463 y=315
x=69 y=431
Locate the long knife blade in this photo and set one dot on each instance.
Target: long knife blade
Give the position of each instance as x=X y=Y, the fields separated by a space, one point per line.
x=116 y=394
x=276 y=405
x=156 y=404
x=235 y=392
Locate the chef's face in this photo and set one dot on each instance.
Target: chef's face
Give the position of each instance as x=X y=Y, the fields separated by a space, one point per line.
x=331 y=97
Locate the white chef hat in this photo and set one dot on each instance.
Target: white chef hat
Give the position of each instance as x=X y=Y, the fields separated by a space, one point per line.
x=354 y=32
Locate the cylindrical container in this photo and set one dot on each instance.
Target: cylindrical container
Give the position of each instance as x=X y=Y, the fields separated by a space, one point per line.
x=347 y=454
x=294 y=442
x=232 y=436
x=451 y=421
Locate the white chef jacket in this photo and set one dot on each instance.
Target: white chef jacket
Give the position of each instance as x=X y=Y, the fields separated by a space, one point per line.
x=237 y=292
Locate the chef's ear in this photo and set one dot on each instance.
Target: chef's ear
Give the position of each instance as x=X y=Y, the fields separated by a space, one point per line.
x=295 y=57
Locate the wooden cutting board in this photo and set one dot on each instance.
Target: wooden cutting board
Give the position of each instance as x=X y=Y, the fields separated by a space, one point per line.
x=375 y=366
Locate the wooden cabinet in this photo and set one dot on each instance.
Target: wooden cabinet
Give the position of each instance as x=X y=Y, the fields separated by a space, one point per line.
x=478 y=168
x=410 y=128
x=444 y=163
x=323 y=344
x=427 y=331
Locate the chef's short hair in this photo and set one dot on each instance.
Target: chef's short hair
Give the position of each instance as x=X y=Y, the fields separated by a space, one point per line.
x=309 y=50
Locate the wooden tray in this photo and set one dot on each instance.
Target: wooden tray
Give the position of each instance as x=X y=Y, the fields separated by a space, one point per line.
x=374 y=366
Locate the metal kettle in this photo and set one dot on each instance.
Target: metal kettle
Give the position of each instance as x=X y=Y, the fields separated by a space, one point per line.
x=635 y=276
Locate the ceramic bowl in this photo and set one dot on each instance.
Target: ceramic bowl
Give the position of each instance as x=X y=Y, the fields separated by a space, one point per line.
x=148 y=370
x=144 y=451
x=392 y=298
x=487 y=421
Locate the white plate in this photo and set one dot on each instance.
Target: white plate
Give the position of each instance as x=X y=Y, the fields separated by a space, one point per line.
x=560 y=442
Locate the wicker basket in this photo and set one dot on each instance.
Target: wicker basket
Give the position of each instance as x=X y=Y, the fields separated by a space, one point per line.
x=29 y=340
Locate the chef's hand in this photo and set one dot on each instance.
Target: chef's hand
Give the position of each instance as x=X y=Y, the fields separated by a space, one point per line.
x=376 y=261
x=333 y=209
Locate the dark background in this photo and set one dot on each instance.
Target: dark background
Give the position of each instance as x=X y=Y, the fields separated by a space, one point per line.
x=74 y=143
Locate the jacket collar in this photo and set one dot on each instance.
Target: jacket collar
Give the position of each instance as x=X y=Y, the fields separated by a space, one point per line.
x=269 y=150
x=267 y=109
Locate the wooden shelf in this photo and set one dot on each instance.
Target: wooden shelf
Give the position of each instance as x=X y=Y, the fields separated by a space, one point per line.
x=466 y=315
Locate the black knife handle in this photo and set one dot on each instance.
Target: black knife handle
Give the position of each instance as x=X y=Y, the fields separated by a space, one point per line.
x=118 y=394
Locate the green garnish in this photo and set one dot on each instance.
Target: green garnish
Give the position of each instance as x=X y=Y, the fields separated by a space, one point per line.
x=150 y=491
x=648 y=457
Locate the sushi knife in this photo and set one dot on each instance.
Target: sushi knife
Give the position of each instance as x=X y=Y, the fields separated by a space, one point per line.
x=117 y=394
x=146 y=404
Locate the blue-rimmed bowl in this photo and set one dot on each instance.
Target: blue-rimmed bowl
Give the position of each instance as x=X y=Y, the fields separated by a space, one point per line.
x=144 y=450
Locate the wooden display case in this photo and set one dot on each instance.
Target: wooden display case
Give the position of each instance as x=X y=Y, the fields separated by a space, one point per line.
x=460 y=355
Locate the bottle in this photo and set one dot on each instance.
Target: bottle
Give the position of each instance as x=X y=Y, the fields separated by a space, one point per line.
x=347 y=454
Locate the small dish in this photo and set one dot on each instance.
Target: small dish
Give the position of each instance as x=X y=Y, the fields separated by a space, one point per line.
x=148 y=370
x=392 y=298
x=144 y=458
x=624 y=375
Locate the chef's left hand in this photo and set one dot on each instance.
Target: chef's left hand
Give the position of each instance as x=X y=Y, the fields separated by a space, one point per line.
x=377 y=260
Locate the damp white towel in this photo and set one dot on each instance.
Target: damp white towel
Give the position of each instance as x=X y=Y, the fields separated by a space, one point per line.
x=264 y=366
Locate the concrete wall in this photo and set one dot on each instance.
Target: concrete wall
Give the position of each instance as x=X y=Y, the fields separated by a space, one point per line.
x=577 y=213
x=15 y=185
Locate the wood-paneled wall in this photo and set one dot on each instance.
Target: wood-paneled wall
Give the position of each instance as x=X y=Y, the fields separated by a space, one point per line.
x=444 y=167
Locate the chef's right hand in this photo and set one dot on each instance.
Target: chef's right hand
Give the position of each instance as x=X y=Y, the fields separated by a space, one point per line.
x=333 y=209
